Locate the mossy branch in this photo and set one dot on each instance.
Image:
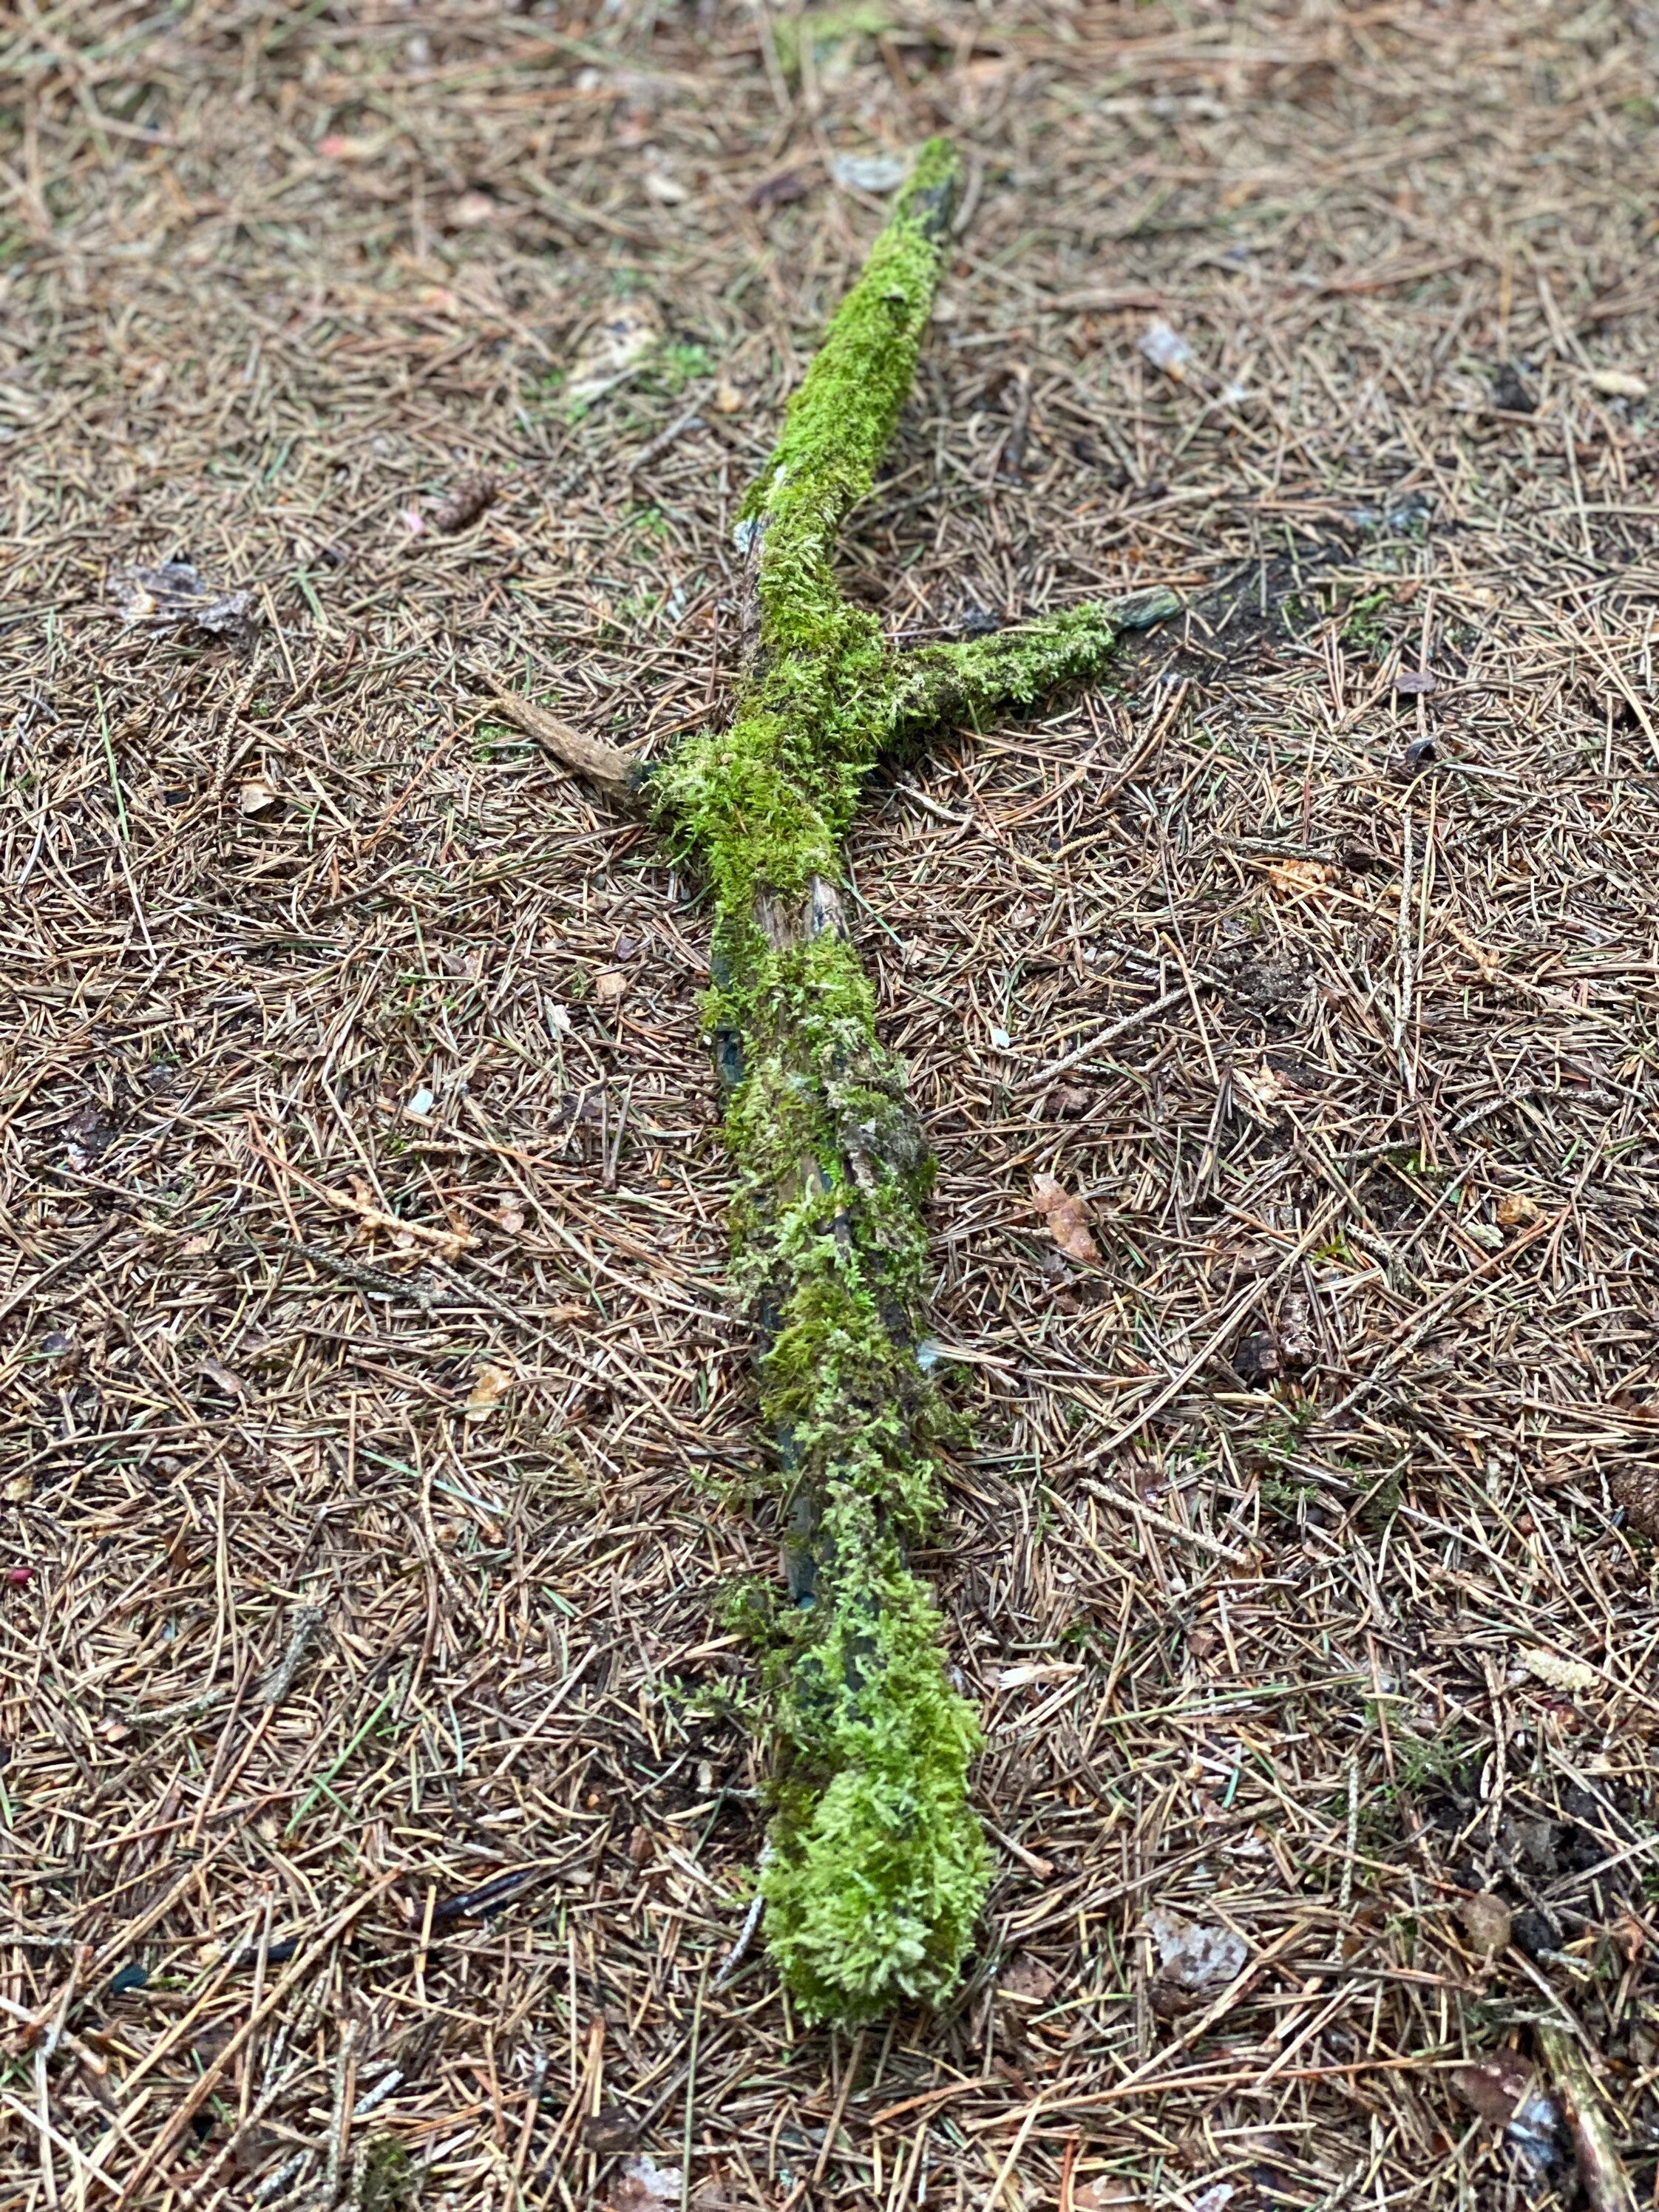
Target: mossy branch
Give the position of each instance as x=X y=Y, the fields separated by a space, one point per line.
x=877 y=1867
x=979 y=677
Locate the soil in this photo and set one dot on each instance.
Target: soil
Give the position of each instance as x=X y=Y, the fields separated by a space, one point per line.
x=382 y=1784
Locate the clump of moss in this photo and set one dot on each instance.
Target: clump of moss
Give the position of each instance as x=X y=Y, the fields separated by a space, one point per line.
x=879 y=1870
x=877 y=1867
x=825 y=28
x=387 y=2180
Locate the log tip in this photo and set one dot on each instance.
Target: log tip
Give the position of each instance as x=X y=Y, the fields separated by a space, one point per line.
x=929 y=198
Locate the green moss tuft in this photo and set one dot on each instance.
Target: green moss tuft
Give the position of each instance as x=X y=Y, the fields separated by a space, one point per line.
x=389 y=2181
x=878 y=1867
x=826 y=28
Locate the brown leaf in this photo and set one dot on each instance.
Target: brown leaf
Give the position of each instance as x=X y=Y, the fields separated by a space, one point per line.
x=1301 y=879
x=491 y=1386
x=1070 y=1102
x=1494 y=2086
x=1067 y=1218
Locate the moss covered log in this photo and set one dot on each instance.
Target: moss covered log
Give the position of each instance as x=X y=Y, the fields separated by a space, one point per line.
x=878 y=1866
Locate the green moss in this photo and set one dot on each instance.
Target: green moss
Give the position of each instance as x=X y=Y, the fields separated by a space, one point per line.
x=678 y=362
x=389 y=2181
x=878 y=1867
x=879 y=1870
x=826 y=28
x=1365 y=628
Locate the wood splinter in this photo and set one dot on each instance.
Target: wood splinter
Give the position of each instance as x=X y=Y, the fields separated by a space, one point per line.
x=877 y=1866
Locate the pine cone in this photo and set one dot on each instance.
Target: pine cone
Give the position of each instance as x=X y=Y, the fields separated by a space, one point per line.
x=465 y=505
x=1637 y=1489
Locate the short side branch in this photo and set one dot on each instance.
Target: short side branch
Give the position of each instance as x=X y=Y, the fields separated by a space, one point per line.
x=619 y=776
x=976 y=677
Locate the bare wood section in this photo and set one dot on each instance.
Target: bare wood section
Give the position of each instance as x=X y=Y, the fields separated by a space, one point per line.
x=784 y=922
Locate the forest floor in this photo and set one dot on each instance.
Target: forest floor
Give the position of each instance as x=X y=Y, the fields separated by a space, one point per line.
x=382 y=1783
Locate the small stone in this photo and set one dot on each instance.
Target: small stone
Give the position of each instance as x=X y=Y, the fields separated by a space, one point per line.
x=1486 y=1922
x=1070 y=1102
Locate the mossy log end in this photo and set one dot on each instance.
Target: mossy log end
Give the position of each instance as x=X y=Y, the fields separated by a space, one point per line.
x=878 y=1866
